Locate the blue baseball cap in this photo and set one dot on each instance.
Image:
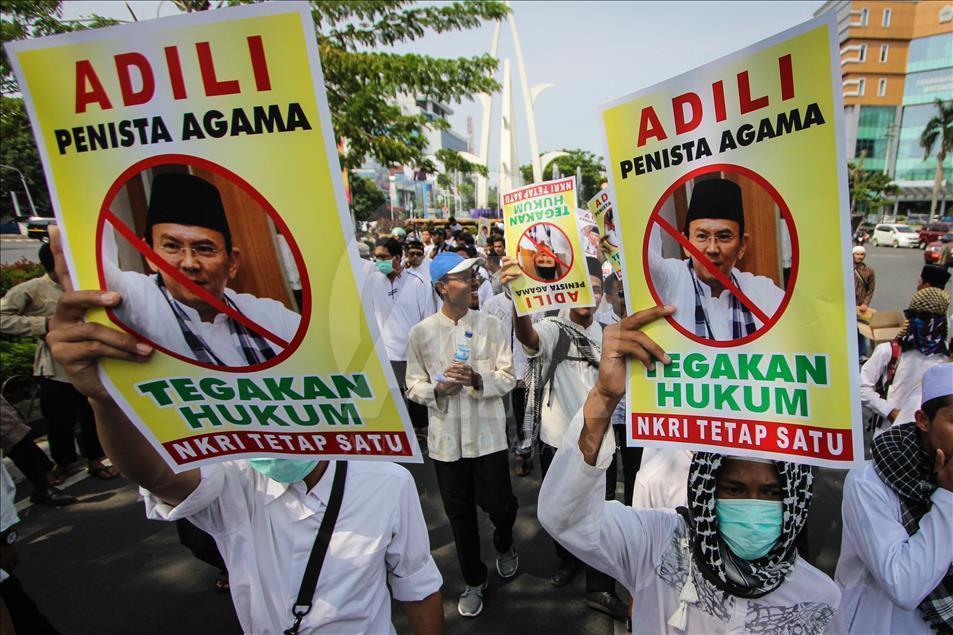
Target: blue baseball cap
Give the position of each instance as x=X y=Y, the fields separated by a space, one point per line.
x=447 y=262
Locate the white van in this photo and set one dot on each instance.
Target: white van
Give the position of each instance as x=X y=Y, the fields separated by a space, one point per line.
x=895 y=236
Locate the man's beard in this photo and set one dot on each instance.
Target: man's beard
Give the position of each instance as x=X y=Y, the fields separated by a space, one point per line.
x=546 y=273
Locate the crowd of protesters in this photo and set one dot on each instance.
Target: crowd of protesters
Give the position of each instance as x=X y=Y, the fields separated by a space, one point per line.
x=701 y=542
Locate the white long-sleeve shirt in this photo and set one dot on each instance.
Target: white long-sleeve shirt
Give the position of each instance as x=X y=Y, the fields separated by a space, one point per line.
x=673 y=282
x=472 y=422
x=571 y=382
x=662 y=479
x=883 y=571
x=398 y=305
x=265 y=531
x=648 y=552
x=904 y=392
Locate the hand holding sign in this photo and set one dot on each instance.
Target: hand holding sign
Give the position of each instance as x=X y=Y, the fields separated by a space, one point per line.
x=625 y=340
x=78 y=345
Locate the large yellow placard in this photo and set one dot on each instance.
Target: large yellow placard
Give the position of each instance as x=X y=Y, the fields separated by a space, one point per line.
x=731 y=197
x=193 y=169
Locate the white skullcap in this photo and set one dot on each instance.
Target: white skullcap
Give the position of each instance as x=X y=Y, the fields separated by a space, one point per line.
x=858 y=250
x=937 y=382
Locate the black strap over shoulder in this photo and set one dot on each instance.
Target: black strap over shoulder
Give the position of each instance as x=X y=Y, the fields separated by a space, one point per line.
x=309 y=582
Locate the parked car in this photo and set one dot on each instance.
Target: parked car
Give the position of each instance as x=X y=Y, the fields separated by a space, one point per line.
x=932 y=232
x=931 y=255
x=917 y=221
x=895 y=236
x=37 y=226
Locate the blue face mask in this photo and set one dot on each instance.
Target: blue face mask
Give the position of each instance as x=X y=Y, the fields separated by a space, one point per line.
x=283 y=470
x=749 y=527
x=386 y=267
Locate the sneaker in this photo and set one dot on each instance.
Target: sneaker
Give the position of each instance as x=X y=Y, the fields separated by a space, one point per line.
x=471 y=601
x=565 y=573
x=607 y=602
x=507 y=562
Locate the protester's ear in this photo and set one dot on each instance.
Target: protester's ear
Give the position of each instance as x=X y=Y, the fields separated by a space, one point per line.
x=59 y=259
x=923 y=422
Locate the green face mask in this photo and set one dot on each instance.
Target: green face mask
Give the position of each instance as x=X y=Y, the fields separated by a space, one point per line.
x=386 y=267
x=749 y=527
x=283 y=470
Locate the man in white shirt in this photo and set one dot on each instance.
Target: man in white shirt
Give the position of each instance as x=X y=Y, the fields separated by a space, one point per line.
x=728 y=564
x=890 y=379
x=400 y=300
x=415 y=259
x=185 y=314
x=896 y=559
x=265 y=514
x=564 y=365
x=459 y=366
x=715 y=226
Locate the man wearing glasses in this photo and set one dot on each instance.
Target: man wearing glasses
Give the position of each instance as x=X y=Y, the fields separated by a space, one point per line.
x=187 y=228
x=459 y=365
x=705 y=305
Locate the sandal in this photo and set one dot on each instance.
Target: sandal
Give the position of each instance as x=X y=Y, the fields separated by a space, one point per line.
x=221 y=583
x=102 y=472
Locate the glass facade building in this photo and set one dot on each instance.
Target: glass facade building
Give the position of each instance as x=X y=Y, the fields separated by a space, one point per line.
x=872 y=141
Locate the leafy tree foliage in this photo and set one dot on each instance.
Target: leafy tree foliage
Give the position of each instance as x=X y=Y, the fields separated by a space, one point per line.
x=366 y=198
x=868 y=188
x=938 y=133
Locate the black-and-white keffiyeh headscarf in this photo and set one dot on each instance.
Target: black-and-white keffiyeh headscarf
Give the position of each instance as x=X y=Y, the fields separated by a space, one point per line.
x=742 y=322
x=902 y=462
x=717 y=564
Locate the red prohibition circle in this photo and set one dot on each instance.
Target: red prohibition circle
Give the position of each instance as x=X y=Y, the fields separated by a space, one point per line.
x=248 y=189
x=519 y=260
x=792 y=231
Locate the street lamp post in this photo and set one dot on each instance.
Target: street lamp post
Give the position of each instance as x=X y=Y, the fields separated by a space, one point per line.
x=25 y=188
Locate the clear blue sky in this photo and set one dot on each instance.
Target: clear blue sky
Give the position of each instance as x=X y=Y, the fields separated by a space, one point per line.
x=593 y=51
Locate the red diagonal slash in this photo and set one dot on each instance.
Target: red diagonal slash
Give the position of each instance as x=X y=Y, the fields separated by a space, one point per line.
x=159 y=262
x=545 y=250
x=715 y=271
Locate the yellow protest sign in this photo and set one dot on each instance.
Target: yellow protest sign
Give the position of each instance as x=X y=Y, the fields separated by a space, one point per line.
x=542 y=236
x=600 y=206
x=193 y=170
x=723 y=176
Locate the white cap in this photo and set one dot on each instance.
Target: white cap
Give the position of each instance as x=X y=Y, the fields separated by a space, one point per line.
x=858 y=250
x=937 y=382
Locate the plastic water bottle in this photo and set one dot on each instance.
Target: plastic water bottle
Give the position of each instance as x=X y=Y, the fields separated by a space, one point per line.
x=463 y=349
x=461 y=355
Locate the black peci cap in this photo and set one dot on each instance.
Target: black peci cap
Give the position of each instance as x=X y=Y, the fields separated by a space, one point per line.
x=185 y=199
x=716 y=198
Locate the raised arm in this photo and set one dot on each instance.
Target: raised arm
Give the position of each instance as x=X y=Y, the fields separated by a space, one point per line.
x=78 y=346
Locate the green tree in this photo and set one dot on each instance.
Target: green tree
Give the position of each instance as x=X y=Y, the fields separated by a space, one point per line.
x=589 y=164
x=868 y=188
x=21 y=19
x=938 y=133
x=18 y=150
x=366 y=198
x=362 y=81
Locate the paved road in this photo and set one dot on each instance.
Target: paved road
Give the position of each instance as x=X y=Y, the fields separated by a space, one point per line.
x=101 y=567
x=897 y=272
x=13 y=249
